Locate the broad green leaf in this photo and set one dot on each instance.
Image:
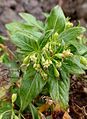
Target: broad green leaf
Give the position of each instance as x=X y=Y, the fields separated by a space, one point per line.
x=54 y=89
x=71 y=34
x=80 y=48
x=59 y=89
x=69 y=65
x=34 y=111
x=31 y=20
x=15 y=26
x=56 y=20
x=31 y=32
x=25 y=44
x=30 y=88
x=64 y=86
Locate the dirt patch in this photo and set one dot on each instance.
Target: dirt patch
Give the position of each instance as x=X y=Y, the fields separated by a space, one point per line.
x=78 y=97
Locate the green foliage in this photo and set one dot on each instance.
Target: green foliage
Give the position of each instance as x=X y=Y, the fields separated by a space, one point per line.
x=56 y=20
x=48 y=53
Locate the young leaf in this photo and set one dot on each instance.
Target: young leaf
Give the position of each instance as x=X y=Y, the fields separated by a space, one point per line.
x=31 y=20
x=56 y=20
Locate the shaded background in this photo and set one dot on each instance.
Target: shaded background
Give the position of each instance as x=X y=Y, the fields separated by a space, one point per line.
x=9 y=9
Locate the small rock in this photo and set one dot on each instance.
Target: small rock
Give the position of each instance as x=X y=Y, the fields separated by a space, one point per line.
x=8 y=16
x=19 y=8
x=82 y=11
x=7 y=3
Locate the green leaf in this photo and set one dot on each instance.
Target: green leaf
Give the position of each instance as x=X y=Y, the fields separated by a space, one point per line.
x=34 y=111
x=30 y=88
x=70 y=65
x=45 y=38
x=31 y=20
x=2 y=39
x=56 y=20
x=54 y=89
x=71 y=34
x=80 y=48
x=31 y=32
x=5 y=115
x=4 y=106
x=59 y=89
x=15 y=26
x=23 y=42
x=64 y=86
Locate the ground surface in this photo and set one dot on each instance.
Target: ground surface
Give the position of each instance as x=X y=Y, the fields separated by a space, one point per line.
x=76 y=9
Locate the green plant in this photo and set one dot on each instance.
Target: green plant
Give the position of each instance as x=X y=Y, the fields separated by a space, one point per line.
x=48 y=53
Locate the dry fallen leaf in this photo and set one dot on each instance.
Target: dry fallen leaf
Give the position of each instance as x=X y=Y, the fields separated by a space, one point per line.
x=66 y=116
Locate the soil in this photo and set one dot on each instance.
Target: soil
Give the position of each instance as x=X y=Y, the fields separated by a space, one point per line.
x=77 y=10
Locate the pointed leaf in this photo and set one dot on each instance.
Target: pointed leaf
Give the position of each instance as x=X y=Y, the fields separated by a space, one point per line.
x=23 y=42
x=56 y=20
x=31 y=20
x=34 y=112
x=71 y=34
x=59 y=89
x=32 y=88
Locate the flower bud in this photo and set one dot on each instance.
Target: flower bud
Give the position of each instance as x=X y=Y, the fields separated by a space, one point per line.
x=66 y=53
x=33 y=58
x=56 y=72
x=14 y=97
x=43 y=74
x=36 y=66
x=69 y=24
x=43 y=59
x=59 y=55
x=55 y=36
x=47 y=63
x=26 y=60
x=58 y=64
x=83 y=60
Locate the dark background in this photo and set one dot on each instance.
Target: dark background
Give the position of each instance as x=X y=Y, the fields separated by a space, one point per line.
x=9 y=9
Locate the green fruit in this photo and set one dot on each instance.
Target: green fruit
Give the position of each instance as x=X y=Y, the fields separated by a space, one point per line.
x=59 y=55
x=56 y=72
x=14 y=97
x=26 y=60
x=83 y=60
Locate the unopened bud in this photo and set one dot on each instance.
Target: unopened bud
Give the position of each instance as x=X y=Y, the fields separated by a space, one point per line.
x=26 y=60
x=83 y=60
x=55 y=36
x=59 y=55
x=33 y=58
x=56 y=72
x=69 y=24
x=14 y=97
